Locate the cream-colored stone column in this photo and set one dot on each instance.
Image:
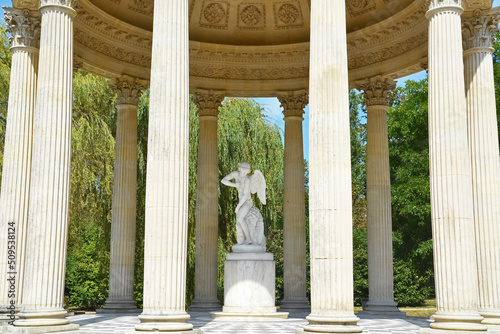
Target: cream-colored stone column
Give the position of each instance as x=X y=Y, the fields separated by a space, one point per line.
x=455 y=262
x=378 y=198
x=330 y=210
x=24 y=27
x=294 y=209
x=43 y=292
x=165 y=249
x=121 y=264
x=207 y=209
x=478 y=32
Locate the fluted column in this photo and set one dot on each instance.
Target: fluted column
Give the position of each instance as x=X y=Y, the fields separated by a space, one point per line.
x=330 y=211
x=121 y=263
x=294 y=210
x=455 y=264
x=207 y=209
x=165 y=249
x=378 y=198
x=50 y=175
x=478 y=33
x=24 y=27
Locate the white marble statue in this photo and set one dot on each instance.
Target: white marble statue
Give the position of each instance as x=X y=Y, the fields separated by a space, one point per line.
x=249 y=221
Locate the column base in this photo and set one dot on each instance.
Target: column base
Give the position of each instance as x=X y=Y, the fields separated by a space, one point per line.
x=193 y=331
x=442 y=331
x=491 y=319
x=293 y=305
x=40 y=329
x=119 y=306
x=455 y=323
x=205 y=305
x=382 y=308
x=174 y=323
x=343 y=323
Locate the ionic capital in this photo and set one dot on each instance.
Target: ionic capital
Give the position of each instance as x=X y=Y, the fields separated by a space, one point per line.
x=24 y=27
x=128 y=89
x=208 y=102
x=376 y=90
x=478 y=30
x=293 y=103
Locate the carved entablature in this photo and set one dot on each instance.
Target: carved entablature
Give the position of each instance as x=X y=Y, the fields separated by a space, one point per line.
x=65 y=3
x=128 y=89
x=479 y=30
x=376 y=90
x=476 y=4
x=208 y=102
x=24 y=27
x=293 y=103
x=434 y=4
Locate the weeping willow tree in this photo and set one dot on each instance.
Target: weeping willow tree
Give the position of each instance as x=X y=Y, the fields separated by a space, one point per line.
x=5 y=62
x=91 y=189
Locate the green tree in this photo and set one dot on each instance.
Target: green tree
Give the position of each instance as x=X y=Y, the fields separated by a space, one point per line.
x=91 y=189
x=5 y=64
x=410 y=189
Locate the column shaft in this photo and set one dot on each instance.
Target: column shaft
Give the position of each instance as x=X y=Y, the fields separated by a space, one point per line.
x=450 y=176
x=207 y=209
x=330 y=211
x=165 y=250
x=17 y=153
x=483 y=145
x=49 y=193
x=121 y=270
x=294 y=215
x=378 y=189
x=379 y=220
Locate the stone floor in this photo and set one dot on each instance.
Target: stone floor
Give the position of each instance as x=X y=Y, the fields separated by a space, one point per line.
x=105 y=323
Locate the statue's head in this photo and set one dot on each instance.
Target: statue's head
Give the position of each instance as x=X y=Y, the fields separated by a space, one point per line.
x=244 y=167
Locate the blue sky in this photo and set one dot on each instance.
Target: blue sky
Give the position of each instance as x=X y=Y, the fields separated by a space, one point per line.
x=272 y=106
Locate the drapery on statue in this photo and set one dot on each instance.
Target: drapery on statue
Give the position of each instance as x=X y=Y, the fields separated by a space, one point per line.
x=249 y=221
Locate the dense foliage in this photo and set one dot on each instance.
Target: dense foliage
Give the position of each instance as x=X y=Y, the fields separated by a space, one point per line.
x=5 y=61
x=91 y=191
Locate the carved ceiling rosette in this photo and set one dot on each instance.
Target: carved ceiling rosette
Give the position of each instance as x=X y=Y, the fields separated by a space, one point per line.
x=23 y=26
x=251 y=16
x=293 y=103
x=376 y=90
x=128 y=89
x=208 y=102
x=479 y=31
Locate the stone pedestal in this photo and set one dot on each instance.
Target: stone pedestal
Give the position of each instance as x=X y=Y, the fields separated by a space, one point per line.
x=249 y=287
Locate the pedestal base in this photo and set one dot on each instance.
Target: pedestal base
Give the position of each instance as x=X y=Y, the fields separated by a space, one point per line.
x=119 y=306
x=205 y=305
x=332 y=324
x=249 y=284
x=295 y=305
x=40 y=329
